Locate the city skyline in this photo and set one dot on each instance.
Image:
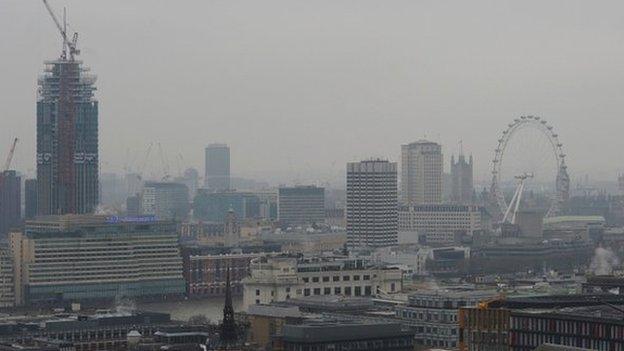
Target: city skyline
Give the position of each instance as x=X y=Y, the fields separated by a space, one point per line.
x=405 y=103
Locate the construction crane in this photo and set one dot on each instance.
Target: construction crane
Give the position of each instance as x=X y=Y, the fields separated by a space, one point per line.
x=7 y=163
x=68 y=44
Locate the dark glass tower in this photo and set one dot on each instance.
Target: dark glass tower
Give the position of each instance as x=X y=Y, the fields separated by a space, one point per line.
x=217 y=176
x=67 y=139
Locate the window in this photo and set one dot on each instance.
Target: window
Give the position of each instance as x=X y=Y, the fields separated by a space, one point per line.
x=306 y=280
x=336 y=278
x=327 y=291
x=356 y=277
x=257 y=292
x=348 y=290
x=337 y=290
x=315 y=279
x=317 y=291
x=392 y=287
x=366 y=277
x=306 y=292
x=288 y=289
x=367 y=290
x=358 y=291
x=257 y=302
x=346 y=278
x=325 y=279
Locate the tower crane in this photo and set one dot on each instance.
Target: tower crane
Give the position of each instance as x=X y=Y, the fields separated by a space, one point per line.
x=7 y=163
x=68 y=44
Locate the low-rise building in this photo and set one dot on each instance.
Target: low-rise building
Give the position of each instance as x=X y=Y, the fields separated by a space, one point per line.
x=88 y=257
x=281 y=277
x=433 y=315
x=267 y=321
x=106 y=331
x=523 y=324
x=441 y=224
x=326 y=335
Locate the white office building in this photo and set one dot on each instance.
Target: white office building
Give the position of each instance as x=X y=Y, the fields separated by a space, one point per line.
x=441 y=224
x=282 y=277
x=372 y=203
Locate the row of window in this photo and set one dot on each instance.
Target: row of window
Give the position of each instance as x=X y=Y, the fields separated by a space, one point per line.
x=336 y=278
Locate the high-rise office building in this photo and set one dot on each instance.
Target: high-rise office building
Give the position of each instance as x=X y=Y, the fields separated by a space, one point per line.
x=67 y=139
x=217 y=176
x=165 y=200
x=30 y=198
x=372 y=217
x=461 y=180
x=10 y=201
x=301 y=206
x=421 y=173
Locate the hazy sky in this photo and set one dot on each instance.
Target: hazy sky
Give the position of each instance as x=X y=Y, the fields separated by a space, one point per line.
x=298 y=88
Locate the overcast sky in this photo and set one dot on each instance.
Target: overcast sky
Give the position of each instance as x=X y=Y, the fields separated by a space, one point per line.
x=298 y=88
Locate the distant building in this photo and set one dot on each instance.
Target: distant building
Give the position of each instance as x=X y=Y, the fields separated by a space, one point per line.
x=67 y=139
x=441 y=224
x=282 y=277
x=7 y=289
x=165 y=200
x=117 y=257
x=372 y=203
x=462 y=187
x=301 y=206
x=10 y=201
x=421 y=173
x=133 y=205
x=214 y=206
x=30 y=198
x=346 y=335
x=217 y=175
x=190 y=178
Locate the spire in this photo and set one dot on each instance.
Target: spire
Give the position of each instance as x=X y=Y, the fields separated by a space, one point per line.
x=228 y=334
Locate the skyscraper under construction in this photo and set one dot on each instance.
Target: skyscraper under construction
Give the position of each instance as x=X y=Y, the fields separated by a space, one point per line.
x=67 y=134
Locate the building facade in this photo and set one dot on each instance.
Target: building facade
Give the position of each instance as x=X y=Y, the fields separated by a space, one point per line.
x=10 y=201
x=86 y=257
x=30 y=198
x=165 y=200
x=7 y=290
x=372 y=216
x=441 y=224
x=462 y=188
x=205 y=275
x=214 y=206
x=346 y=335
x=282 y=277
x=217 y=175
x=433 y=315
x=301 y=206
x=587 y=328
x=67 y=139
x=421 y=173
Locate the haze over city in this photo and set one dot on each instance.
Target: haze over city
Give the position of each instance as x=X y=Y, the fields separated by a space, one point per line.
x=298 y=88
x=289 y=175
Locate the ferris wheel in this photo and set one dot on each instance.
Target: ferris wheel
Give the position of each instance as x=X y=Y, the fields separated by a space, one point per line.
x=529 y=155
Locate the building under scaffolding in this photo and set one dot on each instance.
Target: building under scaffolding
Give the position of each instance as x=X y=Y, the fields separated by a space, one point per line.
x=67 y=139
